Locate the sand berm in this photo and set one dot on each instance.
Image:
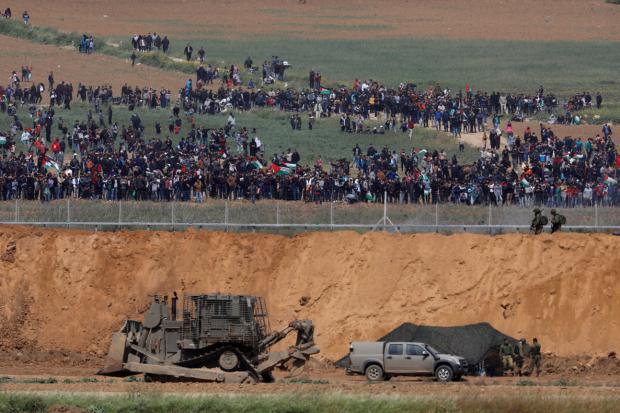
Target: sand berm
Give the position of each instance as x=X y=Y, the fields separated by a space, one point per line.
x=70 y=289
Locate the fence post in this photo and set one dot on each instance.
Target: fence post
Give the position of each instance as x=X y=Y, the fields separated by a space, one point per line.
x=68 y=211
x=226 y=215
x=120 y=212
x=436 y=216
x=16 y=210
x=331 y=215
x=490 y=217
x=172 y=215
x=278 y=213
x=384 y=210
x=596 y=217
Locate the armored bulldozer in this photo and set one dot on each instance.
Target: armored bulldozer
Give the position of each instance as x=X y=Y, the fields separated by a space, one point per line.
x=221 y=338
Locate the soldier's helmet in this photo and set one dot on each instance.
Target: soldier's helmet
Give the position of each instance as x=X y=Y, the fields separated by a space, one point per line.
x=537 y=210
x=553 y=212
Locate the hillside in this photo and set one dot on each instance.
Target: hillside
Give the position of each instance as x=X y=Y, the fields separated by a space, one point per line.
x=68 y=289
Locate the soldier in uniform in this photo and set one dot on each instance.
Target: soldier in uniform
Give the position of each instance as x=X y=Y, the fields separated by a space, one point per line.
x=538 y=222
x=522 y=356
x=535 y=356
x=507 y=352
x=557 y=220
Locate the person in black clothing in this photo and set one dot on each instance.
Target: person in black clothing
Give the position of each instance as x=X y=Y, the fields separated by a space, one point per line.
x=599 y=100
x=188 y=52
x=175 y=298
x=165 y=44
x=133 y=59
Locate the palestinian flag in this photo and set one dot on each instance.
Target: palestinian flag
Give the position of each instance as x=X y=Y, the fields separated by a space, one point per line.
x=51 y=166
x=256 y=164
x=2 y=140
x=280 y=170
x=525 y=183
x=291 y=165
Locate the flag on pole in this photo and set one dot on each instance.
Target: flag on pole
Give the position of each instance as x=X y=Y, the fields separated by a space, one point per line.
x=51 y=166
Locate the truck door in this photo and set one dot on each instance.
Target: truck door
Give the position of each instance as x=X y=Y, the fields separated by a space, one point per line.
x=394 y=357
x=417 y=360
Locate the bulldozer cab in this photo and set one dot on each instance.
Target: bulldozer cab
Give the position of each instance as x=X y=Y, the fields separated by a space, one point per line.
x=209 y=319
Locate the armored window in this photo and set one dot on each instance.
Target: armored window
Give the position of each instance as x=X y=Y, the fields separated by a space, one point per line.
x=414 y=350
x=395 y=350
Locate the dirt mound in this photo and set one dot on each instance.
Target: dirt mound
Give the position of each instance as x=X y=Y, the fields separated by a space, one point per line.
x=69 y=290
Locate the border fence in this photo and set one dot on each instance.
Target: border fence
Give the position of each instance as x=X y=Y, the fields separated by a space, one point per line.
x=273 y=216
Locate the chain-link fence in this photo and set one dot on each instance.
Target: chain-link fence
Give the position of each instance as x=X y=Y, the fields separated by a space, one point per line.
x=276 y=216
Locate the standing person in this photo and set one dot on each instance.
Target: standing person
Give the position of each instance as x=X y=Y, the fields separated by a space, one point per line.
x=175 y=298
x=599 y=100
x=188 y=52
x=506 y=352
x=557 y=220
x=110 y=114
x=535 y=356
x=25 y=17
x=538 y=222
x=522 y=356
x=50 y=81
x=201 y=55
x=607 y=131
x=165 y=44
x=410 y=126
x=133 y=59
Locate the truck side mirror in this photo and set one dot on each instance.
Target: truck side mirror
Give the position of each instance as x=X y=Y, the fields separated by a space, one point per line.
x=425 y=353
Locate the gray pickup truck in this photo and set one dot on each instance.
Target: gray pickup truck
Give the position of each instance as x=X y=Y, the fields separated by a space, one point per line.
x=380 y=360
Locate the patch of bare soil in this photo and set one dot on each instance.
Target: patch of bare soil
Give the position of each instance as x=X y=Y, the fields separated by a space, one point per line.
x=74 y=67
x=349 y=19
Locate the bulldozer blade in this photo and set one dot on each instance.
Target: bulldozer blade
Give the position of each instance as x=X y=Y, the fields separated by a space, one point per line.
x=116 y=357
x=294 y=367
x=178 y=372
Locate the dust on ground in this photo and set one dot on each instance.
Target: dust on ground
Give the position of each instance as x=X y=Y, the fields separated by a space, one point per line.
x=346 y=19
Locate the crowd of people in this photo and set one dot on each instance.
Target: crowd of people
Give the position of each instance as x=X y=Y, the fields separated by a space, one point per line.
x=96 y=158
x=112 y=163
x=149 y=42
x=87 y=44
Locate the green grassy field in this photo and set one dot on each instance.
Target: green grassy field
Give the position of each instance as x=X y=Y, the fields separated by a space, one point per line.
x=290 y=403
x=520 y=66
x=563 y=67
x=274 y=129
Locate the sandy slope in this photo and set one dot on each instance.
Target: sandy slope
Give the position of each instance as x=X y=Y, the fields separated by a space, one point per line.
x=71 y=289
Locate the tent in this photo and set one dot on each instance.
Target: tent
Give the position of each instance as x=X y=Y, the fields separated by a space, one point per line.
x=477 y=343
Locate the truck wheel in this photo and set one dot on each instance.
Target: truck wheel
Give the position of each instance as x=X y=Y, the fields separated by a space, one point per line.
x=228 y=360
x=444 y=373
x=374 y=372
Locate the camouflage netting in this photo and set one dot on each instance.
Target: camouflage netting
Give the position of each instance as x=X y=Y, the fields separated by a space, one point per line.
x=474 y=342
